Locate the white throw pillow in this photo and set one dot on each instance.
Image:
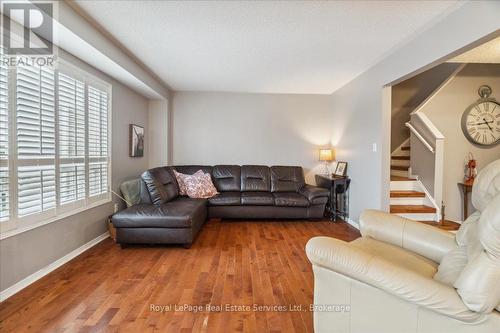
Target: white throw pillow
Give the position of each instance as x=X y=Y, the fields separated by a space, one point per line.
x=452 y=265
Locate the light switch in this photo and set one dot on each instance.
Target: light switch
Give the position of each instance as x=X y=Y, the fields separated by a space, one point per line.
x=374 y=147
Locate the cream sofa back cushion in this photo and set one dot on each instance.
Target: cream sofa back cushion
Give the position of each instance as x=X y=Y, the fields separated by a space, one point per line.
x=468 y=247
x=479 y=282
x=474 y=266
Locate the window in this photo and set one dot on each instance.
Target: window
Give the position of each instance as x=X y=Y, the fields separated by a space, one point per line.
x=55 y=148
x=4 y=142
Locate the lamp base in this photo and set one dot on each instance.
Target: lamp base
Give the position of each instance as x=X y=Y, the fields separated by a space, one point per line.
x=327 y=171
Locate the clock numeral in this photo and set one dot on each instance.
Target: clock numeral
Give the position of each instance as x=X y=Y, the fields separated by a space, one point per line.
x=487 y=107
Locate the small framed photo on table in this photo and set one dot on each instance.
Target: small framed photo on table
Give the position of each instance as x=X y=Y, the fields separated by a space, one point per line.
x=341 y=169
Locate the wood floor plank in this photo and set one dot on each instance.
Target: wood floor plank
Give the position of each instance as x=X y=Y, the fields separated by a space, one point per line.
x=239 y=263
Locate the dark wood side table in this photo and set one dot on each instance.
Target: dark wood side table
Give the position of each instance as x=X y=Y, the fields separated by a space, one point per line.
x=466 y=188
x=338 y=203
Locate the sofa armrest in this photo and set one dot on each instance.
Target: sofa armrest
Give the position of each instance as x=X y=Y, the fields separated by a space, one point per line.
x=312 y=192
x=426 y=240
x=342 y=258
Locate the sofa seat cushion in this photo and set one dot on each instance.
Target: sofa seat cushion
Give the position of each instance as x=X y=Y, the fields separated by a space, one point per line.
x=290 y=199
x=225 y=199
x=397 y=255
x=257 y=199
x=178 y=213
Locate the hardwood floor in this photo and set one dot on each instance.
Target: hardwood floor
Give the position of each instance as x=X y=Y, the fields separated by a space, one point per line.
x=107 y=289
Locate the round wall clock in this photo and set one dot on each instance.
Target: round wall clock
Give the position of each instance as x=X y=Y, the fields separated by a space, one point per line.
x=481 y=120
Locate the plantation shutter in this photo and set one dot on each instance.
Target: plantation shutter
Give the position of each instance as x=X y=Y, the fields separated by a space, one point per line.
x=4 y=141
x=98 y=141
x=54 y=143
x=71 y=138
x=35 y=135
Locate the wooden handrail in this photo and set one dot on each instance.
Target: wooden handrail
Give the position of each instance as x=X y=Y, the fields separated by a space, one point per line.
x=420 y=137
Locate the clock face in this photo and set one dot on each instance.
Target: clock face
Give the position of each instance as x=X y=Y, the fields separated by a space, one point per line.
x=481 y=123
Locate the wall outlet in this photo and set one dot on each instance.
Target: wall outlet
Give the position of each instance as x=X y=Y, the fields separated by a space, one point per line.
x=116 y=207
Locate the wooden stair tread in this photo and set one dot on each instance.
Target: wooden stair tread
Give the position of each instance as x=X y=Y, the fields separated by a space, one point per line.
x=401 y=158
x=445 y=225
x=409 y=209
x=401 y=179
x=407 y=194
x=399 y=167
x=405 y=148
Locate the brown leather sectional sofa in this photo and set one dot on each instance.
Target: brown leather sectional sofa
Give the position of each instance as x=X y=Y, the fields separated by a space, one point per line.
x=245 y=192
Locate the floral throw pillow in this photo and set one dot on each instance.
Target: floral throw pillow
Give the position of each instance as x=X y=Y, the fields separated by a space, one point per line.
x=181 y=180
x=200 y=186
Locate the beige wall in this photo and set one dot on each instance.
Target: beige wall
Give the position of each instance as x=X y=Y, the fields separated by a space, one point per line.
x=236 y=128
x=159 y=130
x=445 y=110
x=28 y=252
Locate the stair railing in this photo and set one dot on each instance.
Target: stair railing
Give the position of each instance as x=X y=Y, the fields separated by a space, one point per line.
x=429 y=166
x=420 y=137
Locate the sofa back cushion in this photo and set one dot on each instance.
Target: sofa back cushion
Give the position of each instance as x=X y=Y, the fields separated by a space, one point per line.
x=255 y=178
x=287 y=178
x=161 y=184
x=227 y=177
x=144 y=194
x=191 y=169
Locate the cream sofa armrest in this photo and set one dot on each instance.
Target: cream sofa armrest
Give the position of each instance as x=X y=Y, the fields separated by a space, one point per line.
x=426 y=240
x=357 y=264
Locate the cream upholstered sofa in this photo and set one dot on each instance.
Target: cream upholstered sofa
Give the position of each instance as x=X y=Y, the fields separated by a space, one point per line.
x=405 y=276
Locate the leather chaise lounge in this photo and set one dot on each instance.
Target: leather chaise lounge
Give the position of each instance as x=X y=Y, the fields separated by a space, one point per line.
x=164 y=217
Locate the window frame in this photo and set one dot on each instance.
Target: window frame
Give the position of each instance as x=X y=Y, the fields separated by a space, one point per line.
x=14 y=224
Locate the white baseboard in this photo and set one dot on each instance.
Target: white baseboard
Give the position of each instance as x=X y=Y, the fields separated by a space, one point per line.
x=4 y=294
x=353 y=223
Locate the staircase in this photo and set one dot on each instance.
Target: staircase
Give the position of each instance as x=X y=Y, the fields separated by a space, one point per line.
x=408 y=198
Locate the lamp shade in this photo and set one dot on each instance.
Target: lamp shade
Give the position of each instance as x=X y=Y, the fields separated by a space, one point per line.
x=326 y=155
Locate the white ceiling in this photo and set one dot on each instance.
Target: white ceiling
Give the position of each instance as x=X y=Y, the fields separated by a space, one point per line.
x=487 y=53
x=265 y=47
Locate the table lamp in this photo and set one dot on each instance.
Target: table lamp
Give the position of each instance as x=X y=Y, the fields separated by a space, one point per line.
x=326 y=155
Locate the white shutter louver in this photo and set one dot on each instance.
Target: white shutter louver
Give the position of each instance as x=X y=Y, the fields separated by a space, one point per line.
x=71 y=138
x=36 y=189
x=4 y=193
x=98 y=178
x=4 y=110
x=98 y=122
x=98 y=141
x=71 y=183
x=35 y=121
x=71 y=112
x=4 y=141
x=35 y=112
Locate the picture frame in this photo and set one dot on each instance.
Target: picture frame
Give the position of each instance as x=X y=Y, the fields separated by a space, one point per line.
x=136 y=140
x=341 y=169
